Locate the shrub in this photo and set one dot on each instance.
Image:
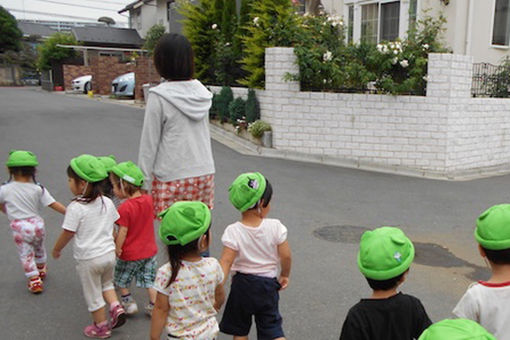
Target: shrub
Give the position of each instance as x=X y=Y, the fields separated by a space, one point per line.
x=49 y=51
x=258 y=128
x=236 y=109
x=223 y=100
x=10 y=34
x=153 y=36
x=213 y=111
x=252 y=107
x=500 y=83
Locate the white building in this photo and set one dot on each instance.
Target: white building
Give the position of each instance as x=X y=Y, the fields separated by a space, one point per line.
x=480 y=28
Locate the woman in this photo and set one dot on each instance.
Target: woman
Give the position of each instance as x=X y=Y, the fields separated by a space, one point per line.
x=175 y=148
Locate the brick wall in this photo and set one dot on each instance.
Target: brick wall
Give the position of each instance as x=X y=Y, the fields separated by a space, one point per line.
x=74 y=71
x=145 y=74
x=104 y=70
x=446 y=134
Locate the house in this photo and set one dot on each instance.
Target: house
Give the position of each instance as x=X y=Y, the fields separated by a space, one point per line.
x=480 y=28
x=108 y=37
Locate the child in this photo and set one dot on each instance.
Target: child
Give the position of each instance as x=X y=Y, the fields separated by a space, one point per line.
x=458 y=329
x=488 y=303
x=21 y=199
x=190 y=290
x=135 y=244
x=384 y=257
x=89 y=220
x=253 y=248
x=106 y=186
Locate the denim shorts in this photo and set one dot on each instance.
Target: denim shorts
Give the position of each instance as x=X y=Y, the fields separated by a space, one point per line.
x=253 y=296
x=143 y=270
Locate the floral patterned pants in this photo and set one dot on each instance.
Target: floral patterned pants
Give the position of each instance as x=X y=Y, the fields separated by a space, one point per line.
x=28 y=236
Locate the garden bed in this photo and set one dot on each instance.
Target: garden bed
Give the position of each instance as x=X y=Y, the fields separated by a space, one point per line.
x=242 y=132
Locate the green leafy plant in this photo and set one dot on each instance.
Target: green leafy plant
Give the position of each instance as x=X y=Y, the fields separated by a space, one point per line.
x=213 y=110
x=223 y=100
x=272 y=23
x=500 y=81
x=258 y=128
x=236 y=109
x=49 y=51
x=252 y=107
x=10 y=34
x=153 y=35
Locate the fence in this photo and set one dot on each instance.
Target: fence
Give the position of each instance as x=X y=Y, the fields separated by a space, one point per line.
x=490 y=80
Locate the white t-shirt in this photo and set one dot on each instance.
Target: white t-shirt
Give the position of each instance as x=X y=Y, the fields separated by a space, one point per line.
x=257 y=247
x=489 y=305
x=191 y=298
x=24 y=200
x=93 y=224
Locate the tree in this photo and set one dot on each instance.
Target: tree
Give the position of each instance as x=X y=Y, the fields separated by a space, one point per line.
x=153 y=36
x=10 y=34
x=49 y=51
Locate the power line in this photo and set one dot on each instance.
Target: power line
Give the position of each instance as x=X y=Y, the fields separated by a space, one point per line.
x=53 y=14
x=108 y=1
x=82 y=6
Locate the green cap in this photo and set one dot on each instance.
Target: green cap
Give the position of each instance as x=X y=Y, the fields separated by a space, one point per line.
x=183 y=222
x=493 y=228
x=129 y=172
x=456 y=329
x=384 y=253
x=21 y=158
x=246 y=190
x=108 y=161
x=89 y=168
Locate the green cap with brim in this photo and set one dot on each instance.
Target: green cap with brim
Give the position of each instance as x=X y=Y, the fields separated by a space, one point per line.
x=184 y=222
x=247 y=190
x=108 y=161
x=456 y=329
x=493 y=228
x=384 y=253
x=129 y=172
x=89 y=168
x=21 y=158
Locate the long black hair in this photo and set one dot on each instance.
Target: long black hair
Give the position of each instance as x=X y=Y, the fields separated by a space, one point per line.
x=177 y=252
x=94 y=192
x=24 y=171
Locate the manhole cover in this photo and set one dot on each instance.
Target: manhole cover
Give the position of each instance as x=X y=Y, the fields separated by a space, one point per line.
x=340 y=233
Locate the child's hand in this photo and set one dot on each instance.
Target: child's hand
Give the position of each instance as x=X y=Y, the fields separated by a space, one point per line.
x=118 y=251
x=284 y=282
x=55 y=253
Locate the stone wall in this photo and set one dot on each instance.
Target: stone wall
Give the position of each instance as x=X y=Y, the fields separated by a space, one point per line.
x=446 y=134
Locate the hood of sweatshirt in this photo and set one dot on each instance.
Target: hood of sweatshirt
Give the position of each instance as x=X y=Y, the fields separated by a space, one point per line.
x=191 y=97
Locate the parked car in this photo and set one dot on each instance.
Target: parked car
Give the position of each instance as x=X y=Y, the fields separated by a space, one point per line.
x=82 y=84
x=31 y=78
x=124 y=85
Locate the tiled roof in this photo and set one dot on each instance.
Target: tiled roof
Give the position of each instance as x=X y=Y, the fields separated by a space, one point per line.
x=110 y=36
x=29 y=28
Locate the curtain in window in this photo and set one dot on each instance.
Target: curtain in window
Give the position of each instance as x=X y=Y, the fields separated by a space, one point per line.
x=390 y=15
x=501 y=29
x=350 y=28
x=369 y=22
x=413 y=10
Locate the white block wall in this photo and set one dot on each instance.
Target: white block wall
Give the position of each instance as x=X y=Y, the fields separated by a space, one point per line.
x=446 y=134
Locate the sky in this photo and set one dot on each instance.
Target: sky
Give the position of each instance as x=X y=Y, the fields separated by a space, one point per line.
x=67 y=10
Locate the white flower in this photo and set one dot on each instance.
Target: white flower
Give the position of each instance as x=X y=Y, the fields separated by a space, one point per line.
x=394 y=60
x=227 y=44
x=214 y=26
x=395 y=52
x=324 y=81
x=379 y=47
x=392 y=45
x=425 y=46
x=256 y=21
x=327 y=56
x=404 y=63
x=426 y=78
x=385 y=49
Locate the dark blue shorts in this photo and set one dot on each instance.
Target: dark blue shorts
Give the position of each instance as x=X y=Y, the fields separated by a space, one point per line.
x=257 y=296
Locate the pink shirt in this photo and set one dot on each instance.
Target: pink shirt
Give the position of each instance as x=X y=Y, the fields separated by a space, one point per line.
x=257 y=247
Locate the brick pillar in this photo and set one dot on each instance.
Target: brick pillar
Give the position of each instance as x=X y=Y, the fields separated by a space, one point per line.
x=449 y=75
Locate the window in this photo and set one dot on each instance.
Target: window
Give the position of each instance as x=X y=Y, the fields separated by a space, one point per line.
x=413 y=13
x=301 y=6
x=380 y=21
x=169 y=9
x=501 y=28
x=369 y=23
x=350 y=27
x=390 y=14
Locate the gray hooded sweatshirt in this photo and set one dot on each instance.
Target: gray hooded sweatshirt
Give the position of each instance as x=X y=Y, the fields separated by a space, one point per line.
x=176 y=142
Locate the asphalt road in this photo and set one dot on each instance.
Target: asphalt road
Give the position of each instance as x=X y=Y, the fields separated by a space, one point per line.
x=325 y=281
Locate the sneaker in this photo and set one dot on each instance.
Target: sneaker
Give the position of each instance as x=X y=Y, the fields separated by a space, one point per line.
x=130 y=306
x=118 y=316
x=42 y=272
x=93 y=331
x=148 y=309
x=35 y=285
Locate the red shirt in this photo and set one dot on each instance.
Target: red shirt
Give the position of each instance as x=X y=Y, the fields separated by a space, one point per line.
x=136 y=214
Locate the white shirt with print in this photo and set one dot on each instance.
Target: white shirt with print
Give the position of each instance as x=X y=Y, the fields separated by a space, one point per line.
x=191 y=298
x=24 y=200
